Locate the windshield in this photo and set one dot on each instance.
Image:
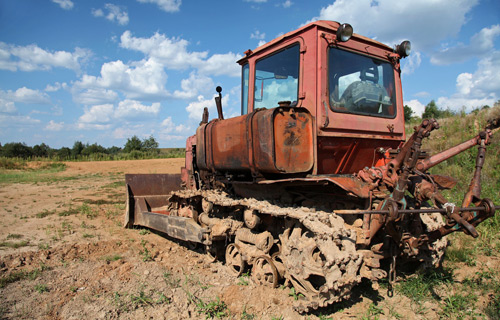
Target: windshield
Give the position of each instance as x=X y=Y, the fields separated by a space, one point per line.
x=360 y=84
x=277 y=78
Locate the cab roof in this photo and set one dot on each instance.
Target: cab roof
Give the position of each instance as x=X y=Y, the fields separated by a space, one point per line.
x=322 y=24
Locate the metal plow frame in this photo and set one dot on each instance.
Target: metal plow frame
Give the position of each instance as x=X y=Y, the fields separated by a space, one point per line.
x=147 y=200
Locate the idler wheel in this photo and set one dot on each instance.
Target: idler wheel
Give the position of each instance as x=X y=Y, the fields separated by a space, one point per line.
x=264 y=272
x=234 y=260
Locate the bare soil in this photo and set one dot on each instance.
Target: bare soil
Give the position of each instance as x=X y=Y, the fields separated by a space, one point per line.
x=65 y=255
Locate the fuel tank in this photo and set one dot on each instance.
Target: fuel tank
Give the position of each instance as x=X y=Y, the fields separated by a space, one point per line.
x=278 y=140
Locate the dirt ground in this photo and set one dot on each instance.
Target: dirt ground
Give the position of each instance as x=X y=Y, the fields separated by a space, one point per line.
x=65 y=255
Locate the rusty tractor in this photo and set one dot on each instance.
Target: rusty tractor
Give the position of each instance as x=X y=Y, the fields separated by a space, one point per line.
x=315 y=184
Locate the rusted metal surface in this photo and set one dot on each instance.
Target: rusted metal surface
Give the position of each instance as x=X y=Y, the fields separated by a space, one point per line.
x=178 y=227
x=267 y=141
x=442 y=156
x=146 y=193
x=349 y=183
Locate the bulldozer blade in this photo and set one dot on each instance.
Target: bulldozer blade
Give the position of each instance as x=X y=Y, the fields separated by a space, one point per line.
x=148 y=193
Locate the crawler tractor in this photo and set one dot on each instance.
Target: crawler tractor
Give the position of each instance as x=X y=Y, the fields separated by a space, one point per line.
x=315 y=185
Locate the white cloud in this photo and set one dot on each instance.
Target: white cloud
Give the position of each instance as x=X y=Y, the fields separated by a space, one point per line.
x=64 y=4
x=221 y=64
x=195 y=108
x=287 y=4
x=131 y=109
x=411 y=63
x=54 y=126
x=15 y=120
x=105 y=116
x=168 y=125
x=97 y=114
x=94 y=96
x=480 y=44
x=7 y=106
x=32 y=57
x=56 y=87
x=194 y=85
x=173 y=54
x=417 y=107
x=25 y=95
x=476 y=89
x=258 y=35
x=165 y=5
x=113 y=13
x=140 y=80
x=425 y=23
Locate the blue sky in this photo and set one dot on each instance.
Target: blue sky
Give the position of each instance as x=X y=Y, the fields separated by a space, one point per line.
x=103 y=71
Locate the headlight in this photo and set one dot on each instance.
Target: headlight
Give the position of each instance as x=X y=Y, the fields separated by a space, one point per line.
x=344 y=32
x=403 y=49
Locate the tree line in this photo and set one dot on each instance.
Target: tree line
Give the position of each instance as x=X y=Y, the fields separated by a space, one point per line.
x=134 y=148
x=432 y=111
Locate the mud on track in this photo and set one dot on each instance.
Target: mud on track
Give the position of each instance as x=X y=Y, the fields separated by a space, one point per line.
x=65 y=255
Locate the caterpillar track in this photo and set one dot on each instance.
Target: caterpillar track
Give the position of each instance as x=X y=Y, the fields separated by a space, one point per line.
x=311 y=250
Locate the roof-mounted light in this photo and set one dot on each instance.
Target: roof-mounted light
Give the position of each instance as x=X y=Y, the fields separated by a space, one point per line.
x=403 y=49
x=344 y=32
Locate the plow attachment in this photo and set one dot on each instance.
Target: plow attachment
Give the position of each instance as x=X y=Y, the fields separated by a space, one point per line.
x=148 y=206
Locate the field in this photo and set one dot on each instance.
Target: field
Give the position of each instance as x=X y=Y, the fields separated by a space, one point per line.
x=65 y=255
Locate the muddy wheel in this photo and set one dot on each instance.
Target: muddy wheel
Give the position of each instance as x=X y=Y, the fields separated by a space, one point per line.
x=320 y=261
x=264 y=273
x=234 y=260
x=215 y=251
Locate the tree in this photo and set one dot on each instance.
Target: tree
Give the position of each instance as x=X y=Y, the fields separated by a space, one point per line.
x=431 y=111
x=408 y=113
x=92 y=149
x=133 y=143
x=41 y=150
x=113 y=150
x=64 y=153
x=17 y=150
x=150 y=144
x=77 y=149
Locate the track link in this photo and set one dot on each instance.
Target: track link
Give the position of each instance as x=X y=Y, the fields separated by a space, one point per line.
x=317 y=252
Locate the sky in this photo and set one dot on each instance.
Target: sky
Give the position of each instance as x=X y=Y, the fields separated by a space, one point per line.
x=103 y=71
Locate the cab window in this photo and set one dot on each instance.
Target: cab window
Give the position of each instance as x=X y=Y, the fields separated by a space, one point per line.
x=245 y=75
x=277 y=78
x=361 y=85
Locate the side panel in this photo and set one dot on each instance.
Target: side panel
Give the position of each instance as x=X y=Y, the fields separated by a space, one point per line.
x=349 y=155
x=278 y=140
x=229 y=144
x=293 y=141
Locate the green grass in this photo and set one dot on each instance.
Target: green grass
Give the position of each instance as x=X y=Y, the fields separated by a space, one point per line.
x=461 y=254
x=458 y=306
x=45 y=213
x=14 y=245
x=22 y=275
x=212 y=309
x=114 y=257
x=145 y=253
x=14 y=236
x=243 y=279
x=41 y=288
x=45 y=173
x=420 y=287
